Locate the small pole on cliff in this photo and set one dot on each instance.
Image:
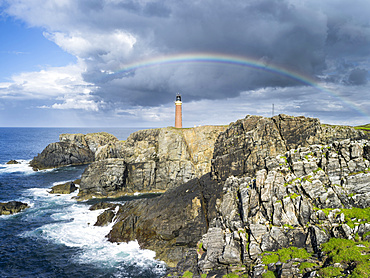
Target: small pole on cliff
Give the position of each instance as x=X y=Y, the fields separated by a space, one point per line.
x=273 y=112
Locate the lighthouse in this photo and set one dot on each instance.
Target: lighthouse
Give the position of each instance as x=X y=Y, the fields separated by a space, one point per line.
x=178 y=112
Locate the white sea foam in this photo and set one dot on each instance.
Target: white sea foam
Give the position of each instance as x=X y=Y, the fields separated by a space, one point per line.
x=22 y=167
x=74 y=227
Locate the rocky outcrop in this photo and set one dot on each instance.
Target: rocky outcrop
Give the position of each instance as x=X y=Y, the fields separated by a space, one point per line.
x=73 y=149
x=284 y=183
x=243 y=147
x=64 y=188
x=92 y=141
x=61 y=154
x=302 y=199
x=151 y=160
x=104 y=178
x=12 y=207
x=171 y=223
x=13 y=162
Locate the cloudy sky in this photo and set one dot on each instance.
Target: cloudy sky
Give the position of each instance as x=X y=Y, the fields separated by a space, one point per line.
x=121 y=62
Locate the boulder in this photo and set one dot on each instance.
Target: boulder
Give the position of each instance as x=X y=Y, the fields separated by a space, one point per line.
x=12 y=207
x=105 y=218
x=64 y=188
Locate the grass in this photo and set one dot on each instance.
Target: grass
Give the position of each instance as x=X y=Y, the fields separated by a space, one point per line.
x=293 y=195
x=231 y=275
x=284 y=254
x=347 y=251
x=187 y=274
x=330 y=271
x=363 y=127
x=305 y=265
x=352 y=215
x=318 y=169
x=269 y=274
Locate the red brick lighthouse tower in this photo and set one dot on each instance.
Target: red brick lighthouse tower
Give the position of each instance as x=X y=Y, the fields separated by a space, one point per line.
x=178 y=112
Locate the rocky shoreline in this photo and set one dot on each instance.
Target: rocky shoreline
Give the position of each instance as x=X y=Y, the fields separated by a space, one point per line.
x=263 y=197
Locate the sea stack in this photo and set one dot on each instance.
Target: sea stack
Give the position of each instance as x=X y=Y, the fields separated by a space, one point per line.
x=178 y=112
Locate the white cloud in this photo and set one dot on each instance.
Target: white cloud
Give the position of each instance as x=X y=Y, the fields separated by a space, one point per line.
x=108 y=45
x=51 y=82
x=63 y=84
x=78 y=103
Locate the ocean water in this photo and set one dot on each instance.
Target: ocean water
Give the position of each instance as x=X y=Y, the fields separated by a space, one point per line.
x=55 y=237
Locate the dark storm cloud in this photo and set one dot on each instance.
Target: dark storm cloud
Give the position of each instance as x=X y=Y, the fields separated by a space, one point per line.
x=280 y=33
x=358 y=77
x=325 y=40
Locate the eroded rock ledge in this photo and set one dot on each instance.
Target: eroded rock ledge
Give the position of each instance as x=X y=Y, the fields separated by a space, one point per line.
x=73 y=149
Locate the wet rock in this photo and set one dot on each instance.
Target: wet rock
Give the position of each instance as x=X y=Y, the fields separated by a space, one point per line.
x=105 y=218
x=12 y=207
x=13 y=162
x=64 y=188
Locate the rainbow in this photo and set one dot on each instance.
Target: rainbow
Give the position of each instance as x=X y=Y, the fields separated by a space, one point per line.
x=242 y=61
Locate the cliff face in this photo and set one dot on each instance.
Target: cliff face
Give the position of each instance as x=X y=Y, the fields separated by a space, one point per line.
x=171 y=223
x=73 y=149
x=242 y=148
x=151 y=160
x=301 y=199
x=275 y=183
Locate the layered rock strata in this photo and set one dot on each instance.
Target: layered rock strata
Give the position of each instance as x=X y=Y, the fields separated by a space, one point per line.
x=302 y=199
x=276 y=183
x=151 y=160
x=243 y=147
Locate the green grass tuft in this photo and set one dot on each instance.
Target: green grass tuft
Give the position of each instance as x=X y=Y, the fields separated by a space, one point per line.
x=269 y=274
x=284 y=254
x=347 y=251
x=330 y=271
x=187 y=274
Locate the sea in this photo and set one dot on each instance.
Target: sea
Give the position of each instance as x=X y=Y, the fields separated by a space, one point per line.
x=56 y=236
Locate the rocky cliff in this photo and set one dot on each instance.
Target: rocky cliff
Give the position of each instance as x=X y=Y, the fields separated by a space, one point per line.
x=72 y=149
x=151 y=160
x=243 y=147
x=279 y=191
